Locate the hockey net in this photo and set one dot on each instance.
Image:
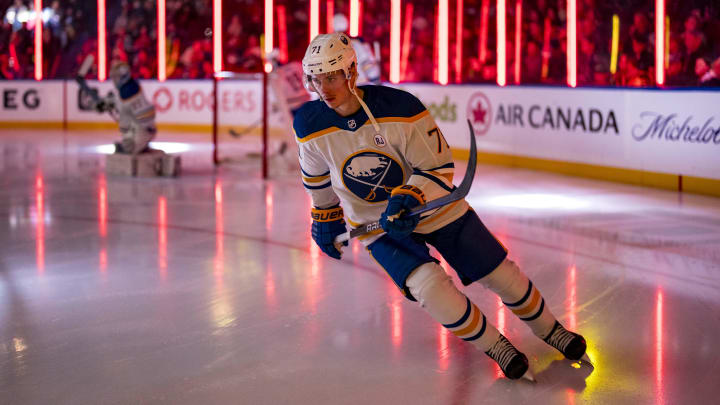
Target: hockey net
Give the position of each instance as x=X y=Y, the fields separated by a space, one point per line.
x=250 y=130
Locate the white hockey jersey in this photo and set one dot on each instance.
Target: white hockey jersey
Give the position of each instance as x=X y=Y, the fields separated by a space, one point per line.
x=344 y=160
x=136 y=115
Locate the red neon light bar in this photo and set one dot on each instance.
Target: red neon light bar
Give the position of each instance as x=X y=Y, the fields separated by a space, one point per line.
x=572 y=43
x=458 y=41
x=659 y=42
x=162 y=64
x=102 y=46
x=38 y=40
x=443 y=42
x=501 y=63
x=217 y=36
x=395 y=41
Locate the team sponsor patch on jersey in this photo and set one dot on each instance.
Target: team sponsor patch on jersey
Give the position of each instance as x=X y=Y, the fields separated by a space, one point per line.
x=372 y=175
x=352 y=124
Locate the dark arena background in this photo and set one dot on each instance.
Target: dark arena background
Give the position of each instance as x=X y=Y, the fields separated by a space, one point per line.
x=194 y=278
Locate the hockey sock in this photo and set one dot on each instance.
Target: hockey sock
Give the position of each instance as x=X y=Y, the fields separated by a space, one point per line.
x=520 y=295
x=436 y=292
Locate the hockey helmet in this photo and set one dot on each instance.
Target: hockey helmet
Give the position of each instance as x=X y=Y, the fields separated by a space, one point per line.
x=328 y=53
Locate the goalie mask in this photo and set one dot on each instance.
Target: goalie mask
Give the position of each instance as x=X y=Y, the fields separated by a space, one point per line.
x=329 y=53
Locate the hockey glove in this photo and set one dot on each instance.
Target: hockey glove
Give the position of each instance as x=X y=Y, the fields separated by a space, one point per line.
x=395 y=220
x=327 y=224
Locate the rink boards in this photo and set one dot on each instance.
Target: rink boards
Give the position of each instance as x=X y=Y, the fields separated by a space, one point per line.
x=604 y=133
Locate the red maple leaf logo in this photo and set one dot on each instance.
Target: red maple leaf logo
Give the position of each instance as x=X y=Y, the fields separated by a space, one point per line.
x=479 y=113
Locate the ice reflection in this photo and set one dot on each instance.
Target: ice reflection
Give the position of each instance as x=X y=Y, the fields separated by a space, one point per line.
x=102 y=222
x=659 y=349
x=219 y=233
x=40 y=223
x=162 y=237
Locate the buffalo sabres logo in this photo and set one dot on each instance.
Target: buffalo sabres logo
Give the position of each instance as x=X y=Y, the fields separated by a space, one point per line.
x=344 y=39
x=372 y=175
x=352 y=124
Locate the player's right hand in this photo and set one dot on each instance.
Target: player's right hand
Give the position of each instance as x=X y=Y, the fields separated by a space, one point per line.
x=395 y=220
x=327 y=224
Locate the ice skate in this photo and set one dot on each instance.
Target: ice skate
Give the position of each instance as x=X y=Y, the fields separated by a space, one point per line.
x=512 y=362
x=570 y=344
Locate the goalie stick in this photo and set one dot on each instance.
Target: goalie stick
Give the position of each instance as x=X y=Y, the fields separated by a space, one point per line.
x=459 y=193
x=84 y=88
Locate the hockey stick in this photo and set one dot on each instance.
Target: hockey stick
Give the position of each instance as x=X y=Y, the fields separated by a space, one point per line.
x=459 y=193
x=84 y=88
x=80 y=78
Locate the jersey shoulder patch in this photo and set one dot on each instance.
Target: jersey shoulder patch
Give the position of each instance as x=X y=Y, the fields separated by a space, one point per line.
x=312 y=117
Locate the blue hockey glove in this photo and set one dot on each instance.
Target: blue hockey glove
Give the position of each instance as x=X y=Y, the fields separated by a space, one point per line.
x=394 y=220
x=327 y=224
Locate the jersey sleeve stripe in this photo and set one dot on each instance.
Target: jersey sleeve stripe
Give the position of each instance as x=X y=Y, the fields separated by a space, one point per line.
x=317 y=179
x=434 y=179
x=317 y=187
x=450 y=165
x=313 y=175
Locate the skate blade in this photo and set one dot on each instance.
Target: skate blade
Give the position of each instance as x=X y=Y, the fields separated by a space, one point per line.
x=584 y=360
x=529 y=376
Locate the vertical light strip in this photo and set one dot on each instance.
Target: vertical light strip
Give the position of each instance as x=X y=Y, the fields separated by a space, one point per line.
x=102 y=45
x=500 y=45
x=409 y=9
x=482 y=53
x=443 y=40
x=395 y=41
x=518 y=39
x=282 y=33
x=314 y=18
x=572 y=43
x=38 y=40
x=354 y=18
x=659 y=42
x=458 y=41
x=161 y=48
x=217 y=36
x=615 y=43
x=659 y=371
x=443 y=348
x=330 y=11
x=269 y=26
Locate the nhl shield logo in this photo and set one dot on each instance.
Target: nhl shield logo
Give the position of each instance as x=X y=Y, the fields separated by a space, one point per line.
x=352 y=124
x=372 y=175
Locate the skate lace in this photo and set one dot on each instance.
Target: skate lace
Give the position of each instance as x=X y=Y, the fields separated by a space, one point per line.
x=561 y=338
x=502 y=352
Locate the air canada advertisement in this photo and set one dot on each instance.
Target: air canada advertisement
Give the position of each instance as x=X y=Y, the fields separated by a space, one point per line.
x=675 y=132
x=665 y=131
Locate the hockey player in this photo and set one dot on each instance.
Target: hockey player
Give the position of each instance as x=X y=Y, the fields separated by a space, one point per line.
x=374 y=152
x=134 y=113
